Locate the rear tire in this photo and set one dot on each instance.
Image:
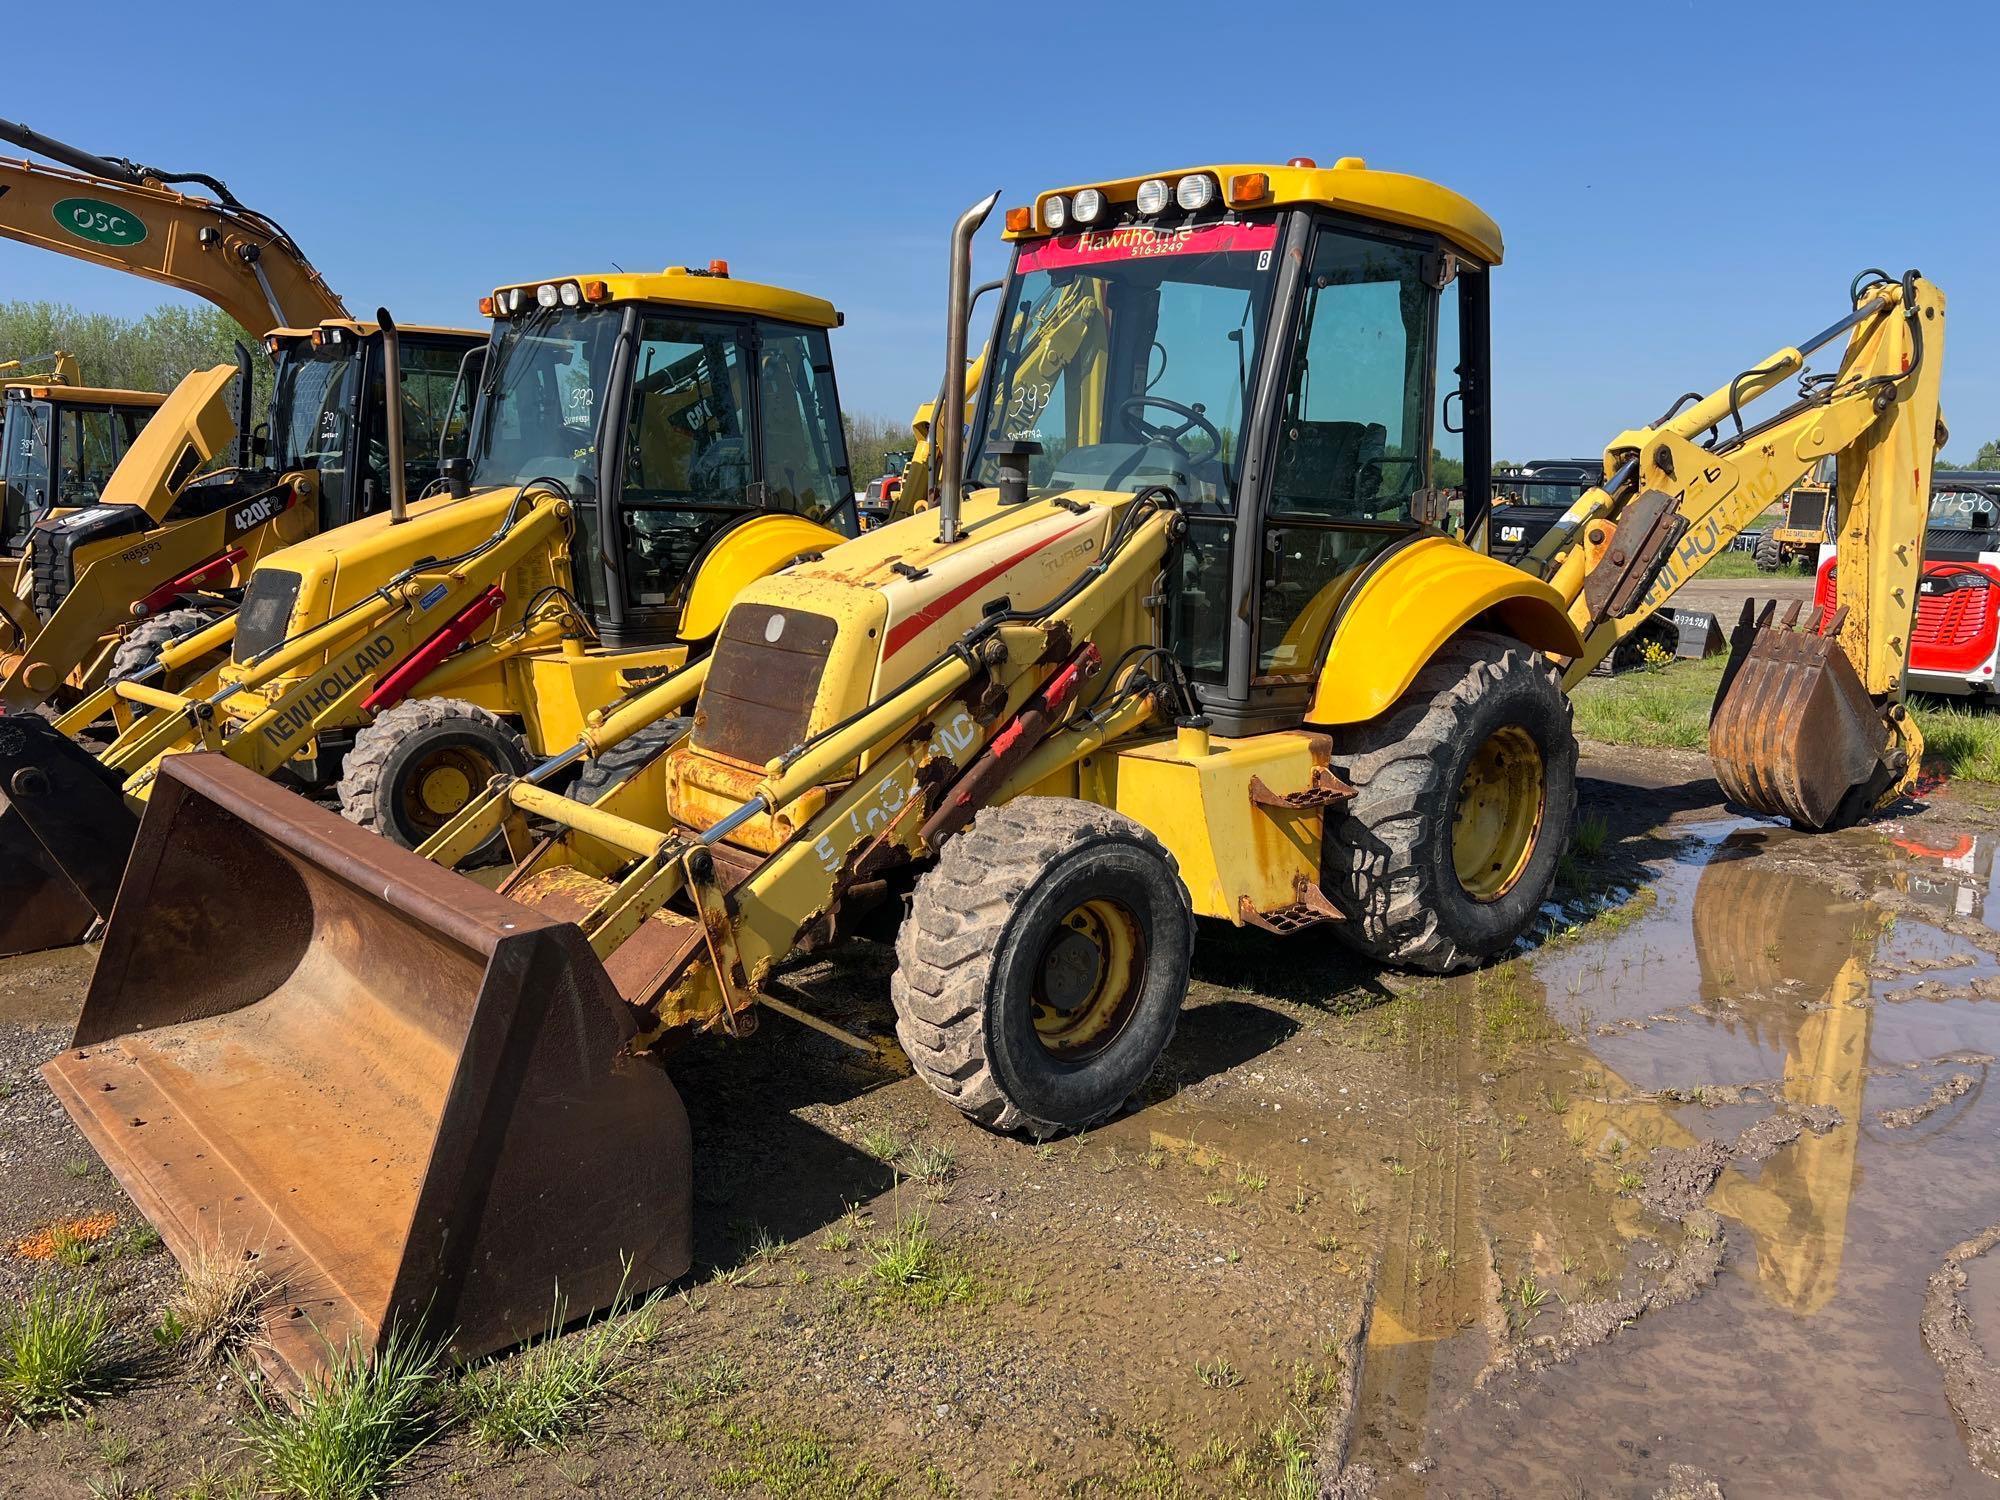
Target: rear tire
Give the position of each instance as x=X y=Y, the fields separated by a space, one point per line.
x=144 y=643
x=1041 y=970
x=1770 y=553
x=420 y=762
x=1465 y=795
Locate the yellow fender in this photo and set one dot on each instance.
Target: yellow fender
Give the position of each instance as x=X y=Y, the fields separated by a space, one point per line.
x=756 y=549
x=1410 y=606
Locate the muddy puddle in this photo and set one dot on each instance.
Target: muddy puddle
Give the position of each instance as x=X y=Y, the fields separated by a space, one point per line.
x=1796 y=1035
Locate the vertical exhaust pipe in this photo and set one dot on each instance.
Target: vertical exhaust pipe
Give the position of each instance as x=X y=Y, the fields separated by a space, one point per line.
x=951 y=433
x=392 y=408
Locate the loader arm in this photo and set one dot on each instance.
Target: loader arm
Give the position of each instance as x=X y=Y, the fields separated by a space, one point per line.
x=114 y=213
x=1814 y=731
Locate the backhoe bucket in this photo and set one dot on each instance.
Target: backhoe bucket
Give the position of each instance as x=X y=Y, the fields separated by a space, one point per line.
x=1793 y=730
x=411 y=1101
x=65 y=830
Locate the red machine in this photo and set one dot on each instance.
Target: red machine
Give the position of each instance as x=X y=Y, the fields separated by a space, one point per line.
x=1955 y=648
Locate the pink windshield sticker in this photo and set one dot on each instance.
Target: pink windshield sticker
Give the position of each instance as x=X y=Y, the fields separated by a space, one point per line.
x=1139 y=242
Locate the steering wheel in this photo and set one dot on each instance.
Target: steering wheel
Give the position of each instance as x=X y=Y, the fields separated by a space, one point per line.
x=1131 y=406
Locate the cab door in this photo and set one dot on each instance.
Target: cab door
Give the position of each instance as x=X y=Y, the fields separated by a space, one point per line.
x=1353 y=467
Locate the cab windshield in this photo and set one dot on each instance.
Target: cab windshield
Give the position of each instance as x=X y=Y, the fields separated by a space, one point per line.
x=1127 y=355
x=545 y=383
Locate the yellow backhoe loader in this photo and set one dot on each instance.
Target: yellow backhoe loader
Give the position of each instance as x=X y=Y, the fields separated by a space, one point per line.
x=59 y=441
x=167 y=543
x=646 y=445
x=1179 y=639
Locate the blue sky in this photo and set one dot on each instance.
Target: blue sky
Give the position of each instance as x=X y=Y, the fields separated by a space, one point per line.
x=1683 y=186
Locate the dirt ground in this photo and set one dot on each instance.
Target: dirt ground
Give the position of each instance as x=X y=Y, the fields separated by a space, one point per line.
x=1653 y=1208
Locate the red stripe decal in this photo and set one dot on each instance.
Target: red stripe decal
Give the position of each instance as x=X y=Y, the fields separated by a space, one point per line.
x=904 y=631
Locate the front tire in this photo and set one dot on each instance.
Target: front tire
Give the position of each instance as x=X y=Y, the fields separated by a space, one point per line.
x=1042 y=967
x=413 y=769
x=1770 y=554
x=1465 y=795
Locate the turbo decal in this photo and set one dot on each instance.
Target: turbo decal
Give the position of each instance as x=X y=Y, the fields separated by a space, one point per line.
x=328 y=690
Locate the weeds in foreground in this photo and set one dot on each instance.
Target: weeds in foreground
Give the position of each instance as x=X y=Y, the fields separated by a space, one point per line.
x=929 y=1163
x=1218 y=1374
x=551 y=1389
x=882 y=1143
x=911 y=1267
x=1593 y=831
x=357 y=1423
x=215 y=1309
x=54 y=1351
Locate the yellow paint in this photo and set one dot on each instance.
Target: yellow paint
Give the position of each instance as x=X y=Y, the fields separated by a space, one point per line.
x=1228 y=847
x=1410 y=606
x=680 y=287
x=755 y=549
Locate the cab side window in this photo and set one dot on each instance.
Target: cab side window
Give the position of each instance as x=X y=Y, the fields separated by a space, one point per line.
x=805 y=452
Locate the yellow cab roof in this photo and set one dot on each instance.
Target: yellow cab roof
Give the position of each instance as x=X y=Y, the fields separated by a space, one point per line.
x=1350 y=185
x=366 y=330
x=703 y=291
x=91 y=395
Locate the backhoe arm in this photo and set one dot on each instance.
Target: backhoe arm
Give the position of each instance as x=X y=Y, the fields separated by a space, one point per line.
x=114 y=213
x=1670 y=504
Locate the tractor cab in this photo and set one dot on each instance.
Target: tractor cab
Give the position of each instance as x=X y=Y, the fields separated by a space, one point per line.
x=329 y=417
x=58 y=446
x=1298 y=355
x=670 y=409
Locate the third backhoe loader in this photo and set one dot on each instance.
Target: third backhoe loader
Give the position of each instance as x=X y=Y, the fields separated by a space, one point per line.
x=646 y=445
x=167 y=544
x=59 y=441
x=1178 y=639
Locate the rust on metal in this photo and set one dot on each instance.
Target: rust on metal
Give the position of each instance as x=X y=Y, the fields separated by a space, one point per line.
x=65 y=831
x=1309 y=908
x=410 y=1099
x=1794 y=731
x=1324 y=789
x=1649 y=525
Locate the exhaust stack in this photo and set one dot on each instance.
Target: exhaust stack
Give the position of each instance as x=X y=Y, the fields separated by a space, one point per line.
x=392 y=405
x=951 y=434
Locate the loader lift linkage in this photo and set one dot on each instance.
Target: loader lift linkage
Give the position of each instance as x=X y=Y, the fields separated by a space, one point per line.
x=1178 y=639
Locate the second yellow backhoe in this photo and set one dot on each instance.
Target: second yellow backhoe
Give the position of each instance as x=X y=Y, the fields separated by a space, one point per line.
x=59 y=442
x=646 y=445
x=1180 y=638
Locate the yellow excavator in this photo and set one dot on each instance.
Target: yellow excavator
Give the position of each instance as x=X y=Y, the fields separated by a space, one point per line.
x=59 y=442
x=646 y=445
x=166 y=545
x=1180 y=637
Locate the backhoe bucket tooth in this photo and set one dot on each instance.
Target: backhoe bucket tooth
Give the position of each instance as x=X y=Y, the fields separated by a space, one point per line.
x=1793 y=730
x=65 y=830
x=414 y=1103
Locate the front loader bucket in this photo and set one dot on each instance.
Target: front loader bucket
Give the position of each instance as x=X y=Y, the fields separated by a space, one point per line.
x=1793 y=730
x=411 y=1101
x=65 y=830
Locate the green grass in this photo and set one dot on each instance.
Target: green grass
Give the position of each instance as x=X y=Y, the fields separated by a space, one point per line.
x=357 y=1423
x=54 y=1350
x=1668 y=709
x=1732 y=564
x=551 y=1389
x=910 y=1266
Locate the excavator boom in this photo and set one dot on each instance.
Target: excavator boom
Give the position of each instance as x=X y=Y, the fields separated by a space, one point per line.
x=130 y=218
x=1809 y=722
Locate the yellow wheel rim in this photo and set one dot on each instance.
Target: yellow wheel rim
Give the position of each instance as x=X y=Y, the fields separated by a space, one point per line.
x=1087 y=979
x=1499 y=813
x=441 y=784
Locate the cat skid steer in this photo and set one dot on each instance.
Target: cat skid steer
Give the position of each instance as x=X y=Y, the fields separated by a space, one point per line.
x=1177 y=640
